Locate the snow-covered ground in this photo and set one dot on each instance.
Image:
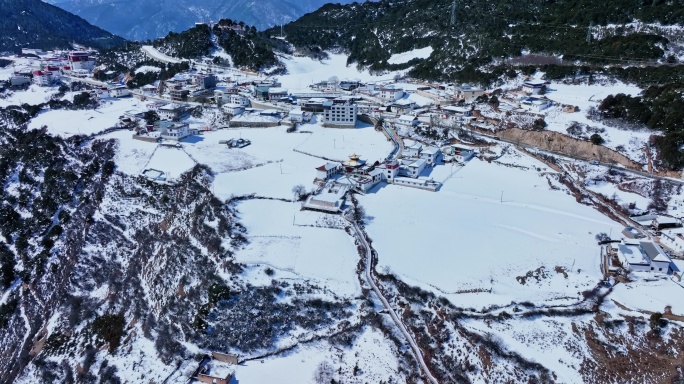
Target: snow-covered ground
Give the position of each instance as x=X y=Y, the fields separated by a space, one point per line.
x=33 y=96
x=303 y=71
x=371 y=353
x=630 y=142
x=301 y=242
x=405 y=57
x=468 y=237
x=69 y=123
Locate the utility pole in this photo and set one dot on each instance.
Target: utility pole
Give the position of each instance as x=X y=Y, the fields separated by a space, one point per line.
x=591 y=26
x=453 y=13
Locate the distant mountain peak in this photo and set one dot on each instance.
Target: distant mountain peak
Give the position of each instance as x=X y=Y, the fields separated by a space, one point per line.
x=150 y=19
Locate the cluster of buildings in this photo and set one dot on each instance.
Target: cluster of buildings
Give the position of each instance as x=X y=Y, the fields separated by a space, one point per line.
x=46 y=68
x=406 y=169
x=635 y=252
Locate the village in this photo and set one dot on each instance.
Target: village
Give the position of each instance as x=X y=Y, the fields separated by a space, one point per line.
x=425 y=136
x=423 y=120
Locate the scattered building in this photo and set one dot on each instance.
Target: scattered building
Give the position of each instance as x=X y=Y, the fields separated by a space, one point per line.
x=119 y=91
x=81 y=61
x=390 y=93
x=461 y=154
x=171 y=112
x=174 y=131
x=43 y=78
x=663 y=222
x=643 y=256
x=533 y=86
x=325 y=171
x=329 y=199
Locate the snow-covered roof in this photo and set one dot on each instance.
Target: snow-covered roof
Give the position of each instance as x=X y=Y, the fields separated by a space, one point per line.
x=417 y=164
x=534 y=82
x=633 y=254
x=455 y=109
x=666 y=220
x=327 y=167
x=431 y=150
x=406 y=118
x=654 y=252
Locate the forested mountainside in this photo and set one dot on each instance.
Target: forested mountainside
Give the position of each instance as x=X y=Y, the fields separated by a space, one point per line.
x=246 y=47
x=35 y=24
x=150 y=19
x=92 y=260
x=484 y=32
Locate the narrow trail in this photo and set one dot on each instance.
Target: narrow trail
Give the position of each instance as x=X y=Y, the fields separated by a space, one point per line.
x=360 y=235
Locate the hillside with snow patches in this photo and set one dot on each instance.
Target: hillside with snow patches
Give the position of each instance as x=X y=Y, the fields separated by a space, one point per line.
x=496 y=276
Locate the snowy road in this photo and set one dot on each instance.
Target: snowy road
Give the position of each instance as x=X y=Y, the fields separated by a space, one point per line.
x=156 y=55
x=369 y=277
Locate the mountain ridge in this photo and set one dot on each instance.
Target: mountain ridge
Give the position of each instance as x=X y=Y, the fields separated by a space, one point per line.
x=149 y=19
x=36 y=24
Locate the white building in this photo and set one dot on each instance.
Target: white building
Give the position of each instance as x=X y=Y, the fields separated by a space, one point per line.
x=533 y=86
x=171 y=111
x=430 y=154
x=174 y=131
x=407 y=121
x=390 y=93
x=412 y=150
x=340 y=115
x=81 y=61
x=462 y=154
x=674 y=239
x=239 y=99
x=643 y=256
x=43 y=78
x=330 y=199
x=298 y=116
x=327 y=170
x=412 y=168
x=119 y=91
x=233 y=109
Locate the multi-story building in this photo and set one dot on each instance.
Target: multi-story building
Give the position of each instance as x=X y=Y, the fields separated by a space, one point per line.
x=340 y=115
x=81 y=60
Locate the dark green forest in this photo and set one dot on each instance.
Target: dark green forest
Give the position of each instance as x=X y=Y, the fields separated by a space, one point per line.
x=36 y=24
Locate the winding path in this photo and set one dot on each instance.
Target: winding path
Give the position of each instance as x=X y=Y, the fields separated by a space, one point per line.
x=369 y=277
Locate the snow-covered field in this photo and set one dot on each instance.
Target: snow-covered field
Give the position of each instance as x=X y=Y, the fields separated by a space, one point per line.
x=405 y=57
x=33 y=96
x=69 y=123
x=631 y=142
x=371 y=353
x=468 y=237
x=285 y=238
x=303 y=71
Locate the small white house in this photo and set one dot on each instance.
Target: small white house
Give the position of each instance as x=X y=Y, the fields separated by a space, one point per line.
x=390 y=93
x=119 y=91
x=171 y=111
x=239 y=99
x=174 y=131
x=412 y=150
x=327 y=170
x=233 y=109
x=643 y=256
x=430 y=154
x=533 y=86
x=407 y=121
x=462 y=154
x=412 y=168
x=43 y=78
